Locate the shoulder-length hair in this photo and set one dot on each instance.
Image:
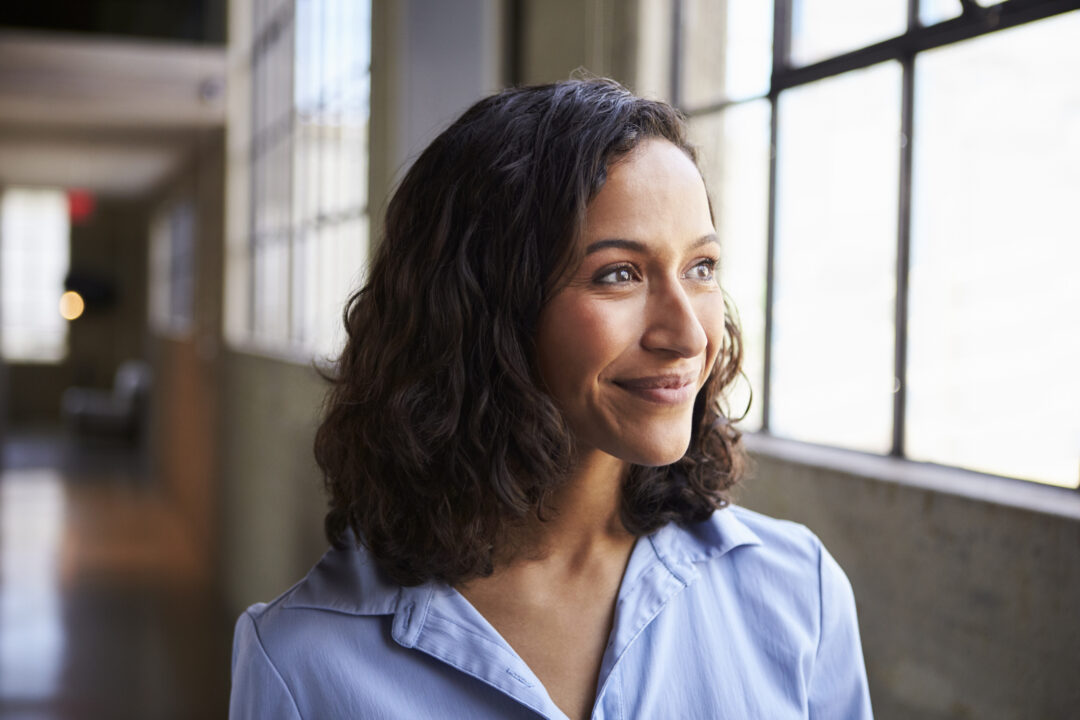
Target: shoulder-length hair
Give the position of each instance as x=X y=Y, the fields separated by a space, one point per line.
x=438 y=439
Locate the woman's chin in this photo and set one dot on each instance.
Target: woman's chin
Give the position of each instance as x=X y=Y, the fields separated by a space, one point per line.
x=658 y=454
x=645 y=444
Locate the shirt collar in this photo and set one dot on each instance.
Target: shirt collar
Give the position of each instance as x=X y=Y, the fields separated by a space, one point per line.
x=435 y=619
x=348 y=580
x=685 y=545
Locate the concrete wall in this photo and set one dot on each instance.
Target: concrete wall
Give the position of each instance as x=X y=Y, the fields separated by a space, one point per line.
x=430 y=60
x=967 y=604
x=187 y=364
x=564 y=37
x=272 y=500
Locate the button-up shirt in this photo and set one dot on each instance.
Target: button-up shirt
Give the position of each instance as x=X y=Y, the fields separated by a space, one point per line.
x=741 y=616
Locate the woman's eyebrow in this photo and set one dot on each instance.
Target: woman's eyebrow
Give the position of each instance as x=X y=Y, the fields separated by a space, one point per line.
x=703 y=240
x=615 y=243
x=636 y=246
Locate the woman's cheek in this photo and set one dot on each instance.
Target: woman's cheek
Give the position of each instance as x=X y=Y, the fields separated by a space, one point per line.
x=711 y=315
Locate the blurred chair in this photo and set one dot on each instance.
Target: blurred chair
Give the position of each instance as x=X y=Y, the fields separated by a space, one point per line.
x=118 y=412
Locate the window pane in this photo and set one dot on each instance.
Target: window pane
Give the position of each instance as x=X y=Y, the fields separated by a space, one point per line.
x=734 y=157
x=182 y=266
x=329 y=185
x=34 y=243
x=824 y=28
x=995 y=307
x=340 y=255
x=727 y=50
x=305 y=283
x=171 y=290
x=935 y=11
x=309 y=169
x=306 y=49
x=834 y=294
x=271 y=290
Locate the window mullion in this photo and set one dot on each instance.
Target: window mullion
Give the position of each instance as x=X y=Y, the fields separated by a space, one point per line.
x=903 y=236
x=770 y=255
x=675 y=89
x=781 y=44
x=781 y=39
x=254 y=63
x=903 y=246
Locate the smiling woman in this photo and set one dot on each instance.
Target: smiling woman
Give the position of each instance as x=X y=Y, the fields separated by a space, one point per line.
x=630 y=338
x=528 y=460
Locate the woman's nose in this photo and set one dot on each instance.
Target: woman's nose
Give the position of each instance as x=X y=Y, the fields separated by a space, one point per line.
x=672 y=323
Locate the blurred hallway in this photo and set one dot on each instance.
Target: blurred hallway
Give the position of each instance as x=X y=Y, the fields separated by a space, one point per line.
x=103 y=613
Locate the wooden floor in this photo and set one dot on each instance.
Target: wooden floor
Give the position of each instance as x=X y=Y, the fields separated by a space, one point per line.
x=103 y=609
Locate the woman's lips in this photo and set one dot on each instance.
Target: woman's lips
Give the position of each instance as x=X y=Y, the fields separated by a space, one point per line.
x=662 y=389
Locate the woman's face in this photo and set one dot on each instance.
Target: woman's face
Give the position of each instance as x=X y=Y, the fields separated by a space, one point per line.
x=627 y=342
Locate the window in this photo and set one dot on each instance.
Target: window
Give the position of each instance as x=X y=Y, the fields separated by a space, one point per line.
x=895 y=190
x=298 y=247
x=34 y=255
x=172 y=269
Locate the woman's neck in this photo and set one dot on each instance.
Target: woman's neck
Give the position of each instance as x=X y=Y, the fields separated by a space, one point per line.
x=554 y=602
x=582 y=517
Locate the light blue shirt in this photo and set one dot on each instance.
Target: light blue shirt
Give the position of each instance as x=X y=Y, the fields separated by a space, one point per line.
x=738 y=617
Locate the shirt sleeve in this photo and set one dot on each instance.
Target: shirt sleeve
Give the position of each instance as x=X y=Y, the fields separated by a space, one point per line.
x=258 y=690
x=838 y=685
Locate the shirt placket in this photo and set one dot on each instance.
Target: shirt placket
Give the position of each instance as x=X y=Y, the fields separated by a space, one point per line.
x=430 y=619
x=655 y=581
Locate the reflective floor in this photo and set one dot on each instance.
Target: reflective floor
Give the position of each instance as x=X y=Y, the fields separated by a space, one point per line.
x=103 y=612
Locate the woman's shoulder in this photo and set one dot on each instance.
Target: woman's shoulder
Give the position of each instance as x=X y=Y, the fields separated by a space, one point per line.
x=789 y=586
x=775 y=551
x=344 y=584
x=775 y=571
x=776 y=535
x=738 y=528
x=333 y=621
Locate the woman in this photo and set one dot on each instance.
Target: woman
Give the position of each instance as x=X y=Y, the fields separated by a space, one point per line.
x=527 y=461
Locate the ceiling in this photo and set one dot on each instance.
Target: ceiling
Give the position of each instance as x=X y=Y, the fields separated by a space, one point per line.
x=114 y=116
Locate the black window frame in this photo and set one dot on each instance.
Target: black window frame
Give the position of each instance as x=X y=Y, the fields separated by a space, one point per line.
x=974 y=21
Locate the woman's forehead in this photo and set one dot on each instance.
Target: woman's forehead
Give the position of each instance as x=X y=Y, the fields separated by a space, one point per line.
x=654 y=191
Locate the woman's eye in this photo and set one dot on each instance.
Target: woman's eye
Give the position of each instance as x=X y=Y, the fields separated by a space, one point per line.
x=704 y=270
x=617 y=275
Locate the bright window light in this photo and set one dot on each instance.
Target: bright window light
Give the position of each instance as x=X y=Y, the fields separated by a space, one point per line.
x=34 y=255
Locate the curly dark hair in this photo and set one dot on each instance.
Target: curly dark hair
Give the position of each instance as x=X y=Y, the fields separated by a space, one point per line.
x=438 y=439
